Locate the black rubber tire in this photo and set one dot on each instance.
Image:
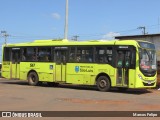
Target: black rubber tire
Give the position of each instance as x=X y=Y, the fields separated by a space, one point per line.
x=33 y=79
x=103 y=84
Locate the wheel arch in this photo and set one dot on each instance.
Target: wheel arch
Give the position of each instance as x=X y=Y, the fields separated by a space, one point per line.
x=32 y=71
x=103 y=74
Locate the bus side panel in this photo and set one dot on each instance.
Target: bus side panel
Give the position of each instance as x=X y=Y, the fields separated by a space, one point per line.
x=79 y=73
x=132 y=78
x=24 y=69
x=106 y=69
x=13 y=70
x=112 y=75
x=45 y=71
x=6 y=68
x=58 y=72
x=23 y=75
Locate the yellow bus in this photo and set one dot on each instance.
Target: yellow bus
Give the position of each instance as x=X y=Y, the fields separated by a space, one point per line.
x=122 y=64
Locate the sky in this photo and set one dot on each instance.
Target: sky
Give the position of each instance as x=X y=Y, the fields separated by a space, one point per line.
x=28 y=20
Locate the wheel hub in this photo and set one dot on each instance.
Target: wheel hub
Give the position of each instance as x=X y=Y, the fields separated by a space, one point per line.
x=103 y=83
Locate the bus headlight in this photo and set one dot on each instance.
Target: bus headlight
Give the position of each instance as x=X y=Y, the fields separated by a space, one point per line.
x=140 y=76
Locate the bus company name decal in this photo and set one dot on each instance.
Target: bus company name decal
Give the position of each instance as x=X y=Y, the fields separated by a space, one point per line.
x=83 y=69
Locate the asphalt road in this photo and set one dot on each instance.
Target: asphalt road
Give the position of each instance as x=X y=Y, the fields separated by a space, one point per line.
x=16 y=95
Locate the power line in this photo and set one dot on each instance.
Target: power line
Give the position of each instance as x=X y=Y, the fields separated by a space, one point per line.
x=75 y=37
x=122 y=31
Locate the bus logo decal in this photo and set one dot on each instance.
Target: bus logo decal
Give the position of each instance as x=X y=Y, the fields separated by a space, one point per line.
x=77 y=69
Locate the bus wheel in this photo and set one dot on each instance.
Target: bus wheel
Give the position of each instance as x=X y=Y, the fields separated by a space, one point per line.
x=33 y=79
x=103 y=83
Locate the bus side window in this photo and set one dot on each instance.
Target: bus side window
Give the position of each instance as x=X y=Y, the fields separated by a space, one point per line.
x=31 y=54
x=72 y=54
x=103 y=54
x=15 y=55
x=109 y=52
x=133 y=59
x=100 y=55
x=6 y=54
x=58 y=56
x=84 y=54
x=24 y=54
x=44 y=54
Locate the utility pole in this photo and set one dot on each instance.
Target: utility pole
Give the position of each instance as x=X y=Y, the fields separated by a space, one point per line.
x=158 y=24
x=5 y=35
x=66 y=22
x=75 y=38
x=144 y=29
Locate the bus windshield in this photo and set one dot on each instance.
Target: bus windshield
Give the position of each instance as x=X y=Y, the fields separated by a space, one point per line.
x=147 y=60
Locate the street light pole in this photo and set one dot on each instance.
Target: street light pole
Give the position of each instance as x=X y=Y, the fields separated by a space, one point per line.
x=66 y=22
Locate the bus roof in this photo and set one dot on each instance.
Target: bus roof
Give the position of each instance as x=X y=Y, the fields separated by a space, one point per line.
x=65 y=42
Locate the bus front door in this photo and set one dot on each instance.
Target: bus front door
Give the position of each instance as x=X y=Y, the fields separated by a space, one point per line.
x=15 y=63
x=123 y=64
x=60 y=73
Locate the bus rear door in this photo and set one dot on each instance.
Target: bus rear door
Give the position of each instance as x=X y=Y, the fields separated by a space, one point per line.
x=60 y=56
x=15 y=67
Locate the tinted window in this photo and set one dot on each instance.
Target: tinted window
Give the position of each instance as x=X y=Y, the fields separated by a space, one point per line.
x=15 y=55
x=44 y=54
x=31 y=54
x=6 y=54
x=84 y=54
x=72 y=54
x=103 y=54
x=147 y=45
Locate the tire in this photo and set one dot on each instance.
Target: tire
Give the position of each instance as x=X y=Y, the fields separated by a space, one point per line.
x=33 y=79
x=103 y=84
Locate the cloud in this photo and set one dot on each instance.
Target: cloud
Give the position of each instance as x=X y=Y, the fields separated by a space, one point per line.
x=56 y=16
x=110 y=35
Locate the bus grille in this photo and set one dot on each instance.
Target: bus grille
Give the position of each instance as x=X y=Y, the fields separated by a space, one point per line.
x=146 y=84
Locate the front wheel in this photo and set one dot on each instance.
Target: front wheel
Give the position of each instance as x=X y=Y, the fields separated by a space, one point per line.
x=33 y=79
x=103 y=83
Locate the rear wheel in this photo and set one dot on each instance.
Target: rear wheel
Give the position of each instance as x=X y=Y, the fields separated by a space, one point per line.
x=103 y=83
x=33 y=79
